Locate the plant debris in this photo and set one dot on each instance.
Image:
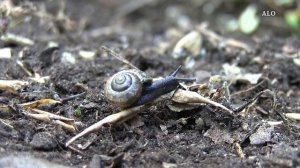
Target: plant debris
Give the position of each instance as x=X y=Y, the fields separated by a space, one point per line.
x=262 y=135
x=16 y=39
x=242 y=111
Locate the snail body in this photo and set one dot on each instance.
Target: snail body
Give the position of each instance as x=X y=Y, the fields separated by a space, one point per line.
x=130 y=88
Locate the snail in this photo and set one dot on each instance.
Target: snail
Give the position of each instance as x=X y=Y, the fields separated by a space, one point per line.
x=130 y=88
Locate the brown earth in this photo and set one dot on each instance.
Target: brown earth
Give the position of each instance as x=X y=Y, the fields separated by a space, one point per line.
x=138 y=34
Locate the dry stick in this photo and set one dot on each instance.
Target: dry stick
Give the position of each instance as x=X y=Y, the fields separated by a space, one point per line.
x=242 y=107
x=6 y=124
x=78 y=151
x=40 y=117
x=251 y=88
x=117 y=56
x=111 y=119
x=52 y=116
x=72 y=97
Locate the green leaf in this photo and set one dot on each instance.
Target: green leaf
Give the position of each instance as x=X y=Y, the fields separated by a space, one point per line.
x=248 y=21
x=292 y=20
x=77 y=112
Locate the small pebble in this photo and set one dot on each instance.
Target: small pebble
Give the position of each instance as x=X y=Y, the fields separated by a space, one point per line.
x=297 y=61
x=52 y=44
x=199 y=124
x=68 y=58
x=189 y=63
x=5 y=53
x=164 y=129
x=87 y=55
x=169 y=165
x=177 y=138
x=182 y=121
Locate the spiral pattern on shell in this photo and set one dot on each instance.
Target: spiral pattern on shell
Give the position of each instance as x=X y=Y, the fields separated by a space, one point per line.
x=124 y=88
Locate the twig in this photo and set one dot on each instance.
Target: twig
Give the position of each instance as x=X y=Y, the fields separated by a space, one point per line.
x=111 y=119
x=6 y=124
x=72 y=97
x=118 y=57
x=251 y=88
x=78 y=151
x=52 y=116
x=261 y=110
x=242 y=107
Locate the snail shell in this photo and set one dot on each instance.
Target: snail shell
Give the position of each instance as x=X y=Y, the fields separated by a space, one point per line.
x=125 y=87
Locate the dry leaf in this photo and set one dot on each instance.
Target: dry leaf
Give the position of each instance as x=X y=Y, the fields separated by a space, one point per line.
x=293 y=116
x=235 y=73
x=187 y=97
x=178 y=107
x=190 y=42
x=11 y=85
x=36 y=103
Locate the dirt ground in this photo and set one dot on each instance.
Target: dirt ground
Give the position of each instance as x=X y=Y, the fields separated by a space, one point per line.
x=145 y=32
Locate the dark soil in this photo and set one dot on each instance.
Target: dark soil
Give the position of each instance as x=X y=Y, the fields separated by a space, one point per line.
x=161 y=139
